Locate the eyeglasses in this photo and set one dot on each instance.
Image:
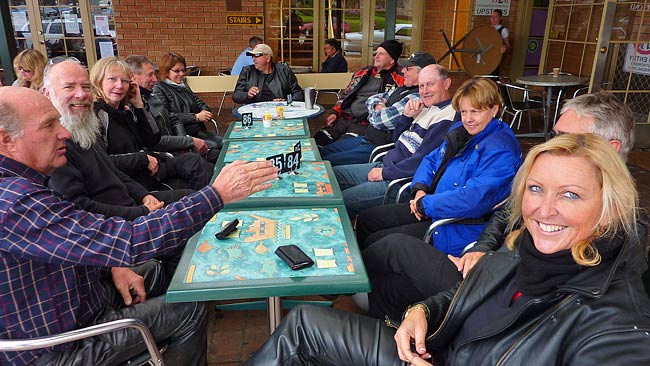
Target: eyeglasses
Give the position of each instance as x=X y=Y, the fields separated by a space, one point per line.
x=179 y=71
x=58 y=59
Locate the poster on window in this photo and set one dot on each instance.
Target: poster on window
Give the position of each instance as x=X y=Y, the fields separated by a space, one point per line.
x=637 y=58
x=485 y=7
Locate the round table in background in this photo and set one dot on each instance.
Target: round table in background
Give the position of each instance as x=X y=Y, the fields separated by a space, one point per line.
x=295 y=110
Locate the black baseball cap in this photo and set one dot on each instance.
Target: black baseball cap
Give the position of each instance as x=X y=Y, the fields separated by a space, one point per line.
x=419 y=58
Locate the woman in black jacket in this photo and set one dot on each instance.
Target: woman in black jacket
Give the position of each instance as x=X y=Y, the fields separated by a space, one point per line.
x=565 y=291
x=180 y=101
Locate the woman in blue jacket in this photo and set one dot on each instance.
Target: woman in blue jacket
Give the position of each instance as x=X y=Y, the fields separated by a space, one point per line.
x=466 y=176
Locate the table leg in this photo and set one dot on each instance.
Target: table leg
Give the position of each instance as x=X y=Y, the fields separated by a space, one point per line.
x=547 y=110
x=275 y=312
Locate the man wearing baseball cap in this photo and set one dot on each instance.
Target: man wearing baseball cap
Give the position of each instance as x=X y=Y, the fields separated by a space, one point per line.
x=350 y=115
x=265 y=80
x=384 y=109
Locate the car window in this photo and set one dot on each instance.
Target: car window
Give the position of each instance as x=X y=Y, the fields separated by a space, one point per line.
x=404 y=32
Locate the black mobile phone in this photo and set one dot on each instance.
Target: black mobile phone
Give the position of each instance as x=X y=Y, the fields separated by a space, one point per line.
x=226 y=230
x=294 y=257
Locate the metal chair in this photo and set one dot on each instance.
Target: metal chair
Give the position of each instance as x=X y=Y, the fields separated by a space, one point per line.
x=469 y=221
x=516 y=109
x=153 y=356
x=378 y=152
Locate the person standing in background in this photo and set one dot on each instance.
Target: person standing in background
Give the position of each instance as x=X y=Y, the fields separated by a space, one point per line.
x=244 y=59
x=495 y=21
x=333 y=60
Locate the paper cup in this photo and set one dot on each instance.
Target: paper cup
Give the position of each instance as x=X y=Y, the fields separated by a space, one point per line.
x=266 y=122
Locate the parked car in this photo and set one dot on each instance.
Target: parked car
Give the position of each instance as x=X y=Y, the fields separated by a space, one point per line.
x=354 y=40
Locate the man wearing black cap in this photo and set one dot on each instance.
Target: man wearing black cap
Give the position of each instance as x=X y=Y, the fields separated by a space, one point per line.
x=265 y=80
x=384 y=110
x=349 y=115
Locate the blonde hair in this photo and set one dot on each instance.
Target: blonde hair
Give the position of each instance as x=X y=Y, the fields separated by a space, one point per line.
x=481 y=93
x=33 y=60
x=618 y=192
x=98 y=72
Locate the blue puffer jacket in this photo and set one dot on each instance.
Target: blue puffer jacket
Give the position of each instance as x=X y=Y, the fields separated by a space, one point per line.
x=476 y=179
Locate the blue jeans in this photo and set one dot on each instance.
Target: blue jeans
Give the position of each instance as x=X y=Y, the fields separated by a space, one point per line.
x=348 y=150
x=358 y=192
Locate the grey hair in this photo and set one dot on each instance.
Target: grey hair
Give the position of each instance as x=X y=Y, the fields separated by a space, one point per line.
x=613 y=120
x=48 y=70
x=10 y=120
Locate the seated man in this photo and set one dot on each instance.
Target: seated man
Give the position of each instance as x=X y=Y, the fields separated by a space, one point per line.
x=419 y=130
x=384 y=109
x=349 y=115
x=333 y=61
x=173 y=137
x=266 y=80
x=54 y=254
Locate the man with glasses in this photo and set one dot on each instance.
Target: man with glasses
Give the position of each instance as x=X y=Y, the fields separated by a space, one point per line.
x=266 y=80
x=54 y=254
x=173 y=137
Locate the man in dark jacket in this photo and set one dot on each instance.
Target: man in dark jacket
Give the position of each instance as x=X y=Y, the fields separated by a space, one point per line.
x=265 y=80
x=349 y=114
x=333 y=61
x=173 y=137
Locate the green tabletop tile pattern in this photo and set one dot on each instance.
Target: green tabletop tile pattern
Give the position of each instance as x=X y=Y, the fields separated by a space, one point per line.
x=259 y=150
x=315 y=184
x=297 y=128
x=244 y=265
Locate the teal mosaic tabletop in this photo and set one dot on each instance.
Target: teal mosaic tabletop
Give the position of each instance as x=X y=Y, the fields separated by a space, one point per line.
x=244 y=265
x=259 y=150
x=315 y=184
x=297 y=128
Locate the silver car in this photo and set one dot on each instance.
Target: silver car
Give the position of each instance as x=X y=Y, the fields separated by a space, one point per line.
x=353 y=41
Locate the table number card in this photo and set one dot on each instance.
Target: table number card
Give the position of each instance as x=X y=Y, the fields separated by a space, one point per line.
x=247 y=120
x=289 y=162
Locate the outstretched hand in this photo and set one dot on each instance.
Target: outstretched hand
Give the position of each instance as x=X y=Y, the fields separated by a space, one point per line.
x=240 y=179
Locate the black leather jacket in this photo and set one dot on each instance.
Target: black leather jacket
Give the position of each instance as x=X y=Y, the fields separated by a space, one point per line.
x=601 y=315
x=173 y=137
x=282 y=83
x=182 y=104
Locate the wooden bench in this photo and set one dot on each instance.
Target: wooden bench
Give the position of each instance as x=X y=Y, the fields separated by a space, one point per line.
x=331 y=83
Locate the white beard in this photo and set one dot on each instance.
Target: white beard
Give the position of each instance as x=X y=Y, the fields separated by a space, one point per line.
x=83 y=127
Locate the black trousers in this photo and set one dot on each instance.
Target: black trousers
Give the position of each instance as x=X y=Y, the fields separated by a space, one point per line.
x=182 y=325
x=402 y=268
x=313 y=335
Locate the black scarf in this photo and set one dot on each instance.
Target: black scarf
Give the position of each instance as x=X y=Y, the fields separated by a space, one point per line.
x=539 y=273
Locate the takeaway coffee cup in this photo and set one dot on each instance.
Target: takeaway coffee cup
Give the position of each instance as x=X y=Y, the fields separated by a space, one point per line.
x=310 y=97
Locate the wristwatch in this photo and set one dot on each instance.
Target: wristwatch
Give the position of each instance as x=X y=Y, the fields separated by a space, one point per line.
x=419 y=306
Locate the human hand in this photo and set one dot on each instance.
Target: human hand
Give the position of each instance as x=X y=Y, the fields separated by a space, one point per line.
x=413 y=108
x=200 y=147
x=204 y=116
x=136 y=97
x=240 y=179
x=380 y=105
x=129 y=284
x=252 y=92
x=374 y=175
x=152 y=203
x=413 y=327
x=466 y=262
x=153 y=165
x=279 y=99
x=413 y=204
x=503 y=49
x=330 y=119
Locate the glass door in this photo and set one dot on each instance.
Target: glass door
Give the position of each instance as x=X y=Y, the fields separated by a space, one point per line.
x=81 y=29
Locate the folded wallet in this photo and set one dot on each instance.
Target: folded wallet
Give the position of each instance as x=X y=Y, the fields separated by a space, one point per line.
x=294 y=257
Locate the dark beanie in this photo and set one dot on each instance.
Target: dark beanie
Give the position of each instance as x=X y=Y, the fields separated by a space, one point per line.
x=393 y=48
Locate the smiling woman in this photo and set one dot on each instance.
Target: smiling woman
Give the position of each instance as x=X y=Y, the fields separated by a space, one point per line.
x=578 y=295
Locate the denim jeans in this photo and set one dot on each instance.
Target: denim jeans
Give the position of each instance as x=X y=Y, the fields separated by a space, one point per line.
x=348 y=150
x=358 y=192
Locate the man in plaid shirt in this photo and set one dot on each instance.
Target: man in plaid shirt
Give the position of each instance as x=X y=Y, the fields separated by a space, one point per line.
x=52 y=254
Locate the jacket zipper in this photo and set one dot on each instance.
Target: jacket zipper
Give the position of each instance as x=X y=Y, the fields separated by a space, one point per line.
x=516 y=343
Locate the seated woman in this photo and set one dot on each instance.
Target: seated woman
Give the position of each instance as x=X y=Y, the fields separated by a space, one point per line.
x=565 y=291
x=128 y=129
x=181 y=102
x=473 y=168
x=29 y=66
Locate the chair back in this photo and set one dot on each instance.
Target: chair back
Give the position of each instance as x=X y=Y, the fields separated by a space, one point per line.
x=212 y=84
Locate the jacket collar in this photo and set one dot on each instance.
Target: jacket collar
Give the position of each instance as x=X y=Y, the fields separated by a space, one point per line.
x=12 y=168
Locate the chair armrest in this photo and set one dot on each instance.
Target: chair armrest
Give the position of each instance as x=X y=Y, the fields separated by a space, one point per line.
x=380 y=151
x=403 y=184
x=16 y=345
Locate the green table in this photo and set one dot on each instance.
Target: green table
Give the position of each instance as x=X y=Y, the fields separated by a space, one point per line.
x=245 y=265
x=295 y=128
x=315 y=185
x=259 y=150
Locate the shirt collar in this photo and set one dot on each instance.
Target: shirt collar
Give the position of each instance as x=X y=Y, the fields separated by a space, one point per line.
x=12 y=168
